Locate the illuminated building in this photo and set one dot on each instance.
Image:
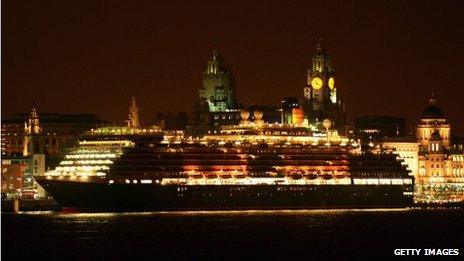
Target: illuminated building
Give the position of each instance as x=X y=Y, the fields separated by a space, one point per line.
x=57 y=131
x=218 y=85
x=439 y=166
x=216 y=104
x=433 y=120
x=14 y=177
x=321 y=100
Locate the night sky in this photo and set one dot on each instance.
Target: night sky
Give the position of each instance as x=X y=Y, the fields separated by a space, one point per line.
x=91 y=56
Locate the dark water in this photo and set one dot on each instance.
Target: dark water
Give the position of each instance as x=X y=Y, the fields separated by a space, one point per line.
x=304 y=234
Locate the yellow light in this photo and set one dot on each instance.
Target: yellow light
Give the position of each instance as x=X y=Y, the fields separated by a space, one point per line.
x=331 y=83
x=316 y=83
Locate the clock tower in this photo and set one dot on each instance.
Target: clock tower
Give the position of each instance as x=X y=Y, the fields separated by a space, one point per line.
x=320 y=94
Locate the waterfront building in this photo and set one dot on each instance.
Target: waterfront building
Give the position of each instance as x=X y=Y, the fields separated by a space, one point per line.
x=216 y=104
x=56 y=131
x=218 y=89
x=15 y=176
x=321 y=99
x=439 y=167
x=441 y=164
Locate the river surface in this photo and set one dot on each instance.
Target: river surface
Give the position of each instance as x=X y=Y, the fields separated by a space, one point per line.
x=301 y=234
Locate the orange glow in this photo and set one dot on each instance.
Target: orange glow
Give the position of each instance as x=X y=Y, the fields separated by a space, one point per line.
x=190 y=167
x=297 y=116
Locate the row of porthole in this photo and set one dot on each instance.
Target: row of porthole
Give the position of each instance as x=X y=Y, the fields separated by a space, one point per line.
x=135 y=181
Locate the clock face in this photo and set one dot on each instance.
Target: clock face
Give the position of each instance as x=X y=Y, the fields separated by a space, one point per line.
x=316 y=83
x=331 y=83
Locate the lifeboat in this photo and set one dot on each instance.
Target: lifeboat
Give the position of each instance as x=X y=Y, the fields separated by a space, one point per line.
x=311 y=176
x=327 y=176
x=195 y=176
x=225 y=176
x=340 y=176
x=240 y=176
x=210 y=176
x=295 y=176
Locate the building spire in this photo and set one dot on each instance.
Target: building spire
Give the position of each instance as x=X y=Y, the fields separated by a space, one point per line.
x=214 y=64
x=433 y=100
x=133 y=114
x=320 y=47
x=32 y=125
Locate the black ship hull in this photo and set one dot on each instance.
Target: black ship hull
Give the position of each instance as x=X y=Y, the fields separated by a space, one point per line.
x=120 y=197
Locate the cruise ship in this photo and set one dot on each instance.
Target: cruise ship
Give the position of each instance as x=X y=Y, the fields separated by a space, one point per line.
x=247 y=166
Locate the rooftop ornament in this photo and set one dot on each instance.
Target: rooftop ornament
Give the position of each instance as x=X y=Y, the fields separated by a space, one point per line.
x=327 y=124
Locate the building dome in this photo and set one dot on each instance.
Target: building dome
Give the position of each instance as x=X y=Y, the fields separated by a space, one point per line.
x=432 y=111
x=435 y=136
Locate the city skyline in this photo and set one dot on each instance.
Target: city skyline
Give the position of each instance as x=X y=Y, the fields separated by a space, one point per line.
x=212 y=129
x=80 y=59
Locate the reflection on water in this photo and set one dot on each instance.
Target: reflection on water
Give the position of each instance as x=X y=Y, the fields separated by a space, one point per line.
x=229 y=234
x=212 y=212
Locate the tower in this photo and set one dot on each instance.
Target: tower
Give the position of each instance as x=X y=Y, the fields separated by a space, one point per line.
x=34 y=147
x=33 y=140
x=32 y=125
x=320 y=94
x=218 y=84
x=433 y=121
x=133 y=115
